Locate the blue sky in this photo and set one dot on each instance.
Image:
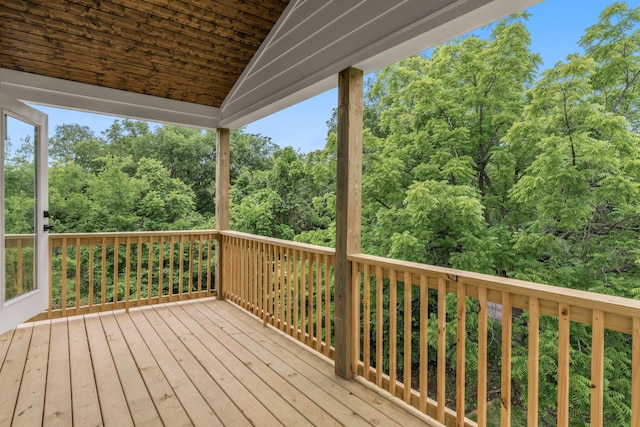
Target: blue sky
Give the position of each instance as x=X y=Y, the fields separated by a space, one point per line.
x=555 y=26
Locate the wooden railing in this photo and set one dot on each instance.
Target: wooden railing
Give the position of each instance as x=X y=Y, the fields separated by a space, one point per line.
x=108 y=271
x=287 y=284
x=412 y=321
x=390 y=289
x=19 y=263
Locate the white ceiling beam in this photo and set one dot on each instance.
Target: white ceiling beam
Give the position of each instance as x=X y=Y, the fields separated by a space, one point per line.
x=61 y=93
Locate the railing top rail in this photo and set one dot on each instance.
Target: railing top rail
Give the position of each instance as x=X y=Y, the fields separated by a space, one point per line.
x=132 y=234
x=574 y=297
x=323 y=250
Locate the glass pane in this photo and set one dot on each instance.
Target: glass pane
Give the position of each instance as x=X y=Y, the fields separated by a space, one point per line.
x=19 y=207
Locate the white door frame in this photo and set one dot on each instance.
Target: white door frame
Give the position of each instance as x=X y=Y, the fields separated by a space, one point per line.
x=24 y=307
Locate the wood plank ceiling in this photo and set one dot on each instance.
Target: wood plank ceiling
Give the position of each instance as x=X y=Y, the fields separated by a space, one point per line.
x=185 y=50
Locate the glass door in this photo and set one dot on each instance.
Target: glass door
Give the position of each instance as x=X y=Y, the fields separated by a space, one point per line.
x=24 y=287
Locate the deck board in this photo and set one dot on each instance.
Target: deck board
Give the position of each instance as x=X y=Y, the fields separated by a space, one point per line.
x=31 y=398
x=84 y=394
x=57 y=403
x=204 y=362
x=11 y=372
x=140 y=405
x=110 y=392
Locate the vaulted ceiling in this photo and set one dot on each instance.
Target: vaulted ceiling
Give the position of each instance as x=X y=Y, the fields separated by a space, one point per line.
x=213 y=63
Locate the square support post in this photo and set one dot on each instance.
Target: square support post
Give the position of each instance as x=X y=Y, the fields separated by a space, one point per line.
x=348 y=214
x=222 y=202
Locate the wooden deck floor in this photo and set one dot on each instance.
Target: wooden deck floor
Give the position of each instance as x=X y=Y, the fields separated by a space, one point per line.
x=202 y=363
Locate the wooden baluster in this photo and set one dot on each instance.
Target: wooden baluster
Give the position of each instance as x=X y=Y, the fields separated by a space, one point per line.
x=407 y=336
x=256 y=278
x=200 y=275
x=211 y=241
x=296 y=295
x=103 y=282
x=318 y=294
x=127 y=280
x=327 y=307
x=303 y=286
x=270 y=283
x=275 y=265
x=289 y=271
x=505 y=419
x=20 y=268
x=309 y=341
x=91 y=268
x=78 y=277
x=482 y=355
x=635 y=373
x=379 y=324
x=181 y=271
x=239 y=273
x=160 y=268
x=139 y=273
x=190 y=281
x=442 y=349
x=424 y=341
x=461 y=354
x=241 y=300
x=250 y=277
x=366 y=330
x=264 y=293
x=150 y=272
x=533 y=360
x=564 y=316
x=50 y=309
x=597 y=368
x=393 y=334
x=171 y=262
x=232 y=277
x=116 y=247
x=283 y=286
x=64 y=277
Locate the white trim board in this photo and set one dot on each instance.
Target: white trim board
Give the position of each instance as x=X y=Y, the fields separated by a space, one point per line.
x=84 y=97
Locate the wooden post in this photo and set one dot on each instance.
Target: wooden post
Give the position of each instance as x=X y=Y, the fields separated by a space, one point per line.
x=222 y=201
x=348 y=213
